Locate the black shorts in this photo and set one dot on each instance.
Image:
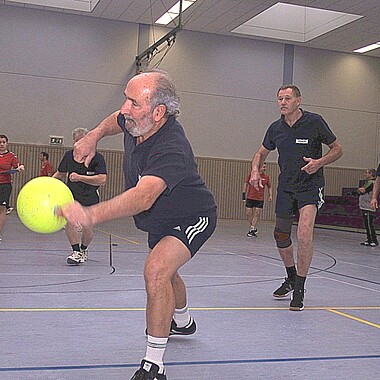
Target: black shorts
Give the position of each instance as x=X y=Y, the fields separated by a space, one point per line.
x=5 y=194
x=87 y=200
x=251 y=203
x=193 y=232
x=288 y=202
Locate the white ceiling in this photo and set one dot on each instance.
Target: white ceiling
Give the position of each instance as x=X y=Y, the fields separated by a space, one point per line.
x=222 y=16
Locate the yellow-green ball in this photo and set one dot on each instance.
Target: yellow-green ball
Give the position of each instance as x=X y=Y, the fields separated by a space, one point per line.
x=37 y=202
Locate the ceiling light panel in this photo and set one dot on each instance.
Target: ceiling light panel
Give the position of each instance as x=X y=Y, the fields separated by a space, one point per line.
x=173 y=12
x=77 y=5
x=368 y=48
x=294 y=22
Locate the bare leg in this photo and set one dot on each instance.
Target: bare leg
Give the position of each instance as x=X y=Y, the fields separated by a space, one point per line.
x=249 y=214
x=256 y=216
x=305 y=239
x=3 y=210
x=287 y=256
x=72 y=234
x=179 y=289
x=87 y=236
x=160 y=273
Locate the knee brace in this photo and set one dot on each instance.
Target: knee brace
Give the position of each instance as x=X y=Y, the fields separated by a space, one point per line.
x=282 y=232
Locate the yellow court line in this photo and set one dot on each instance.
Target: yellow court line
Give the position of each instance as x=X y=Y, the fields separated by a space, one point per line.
x=117 y=236
x=72 y=309
x=286 y=308
x=192 y=308
x=354 y=318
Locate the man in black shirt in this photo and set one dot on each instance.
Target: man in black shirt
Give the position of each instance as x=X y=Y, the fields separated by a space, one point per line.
x=167 y=198
x=298 y=136
x=84 y=183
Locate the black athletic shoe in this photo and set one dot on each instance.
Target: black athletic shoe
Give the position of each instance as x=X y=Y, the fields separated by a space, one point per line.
x=296 y=304
x=189 y=329
x=148 y=371
x=285 y=289
x=252 y=232
x=370 y=243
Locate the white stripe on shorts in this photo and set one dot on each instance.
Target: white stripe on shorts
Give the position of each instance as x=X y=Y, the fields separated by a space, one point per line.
x=321 y=200
x=193 y=231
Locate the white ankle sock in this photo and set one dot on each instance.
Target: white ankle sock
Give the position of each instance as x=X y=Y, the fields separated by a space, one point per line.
x=155 y=351
x=181 y=316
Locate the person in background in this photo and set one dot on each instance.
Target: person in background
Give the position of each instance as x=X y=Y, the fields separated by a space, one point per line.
x=368 y=212
x=46 y=165
x=166 y=197
x=376 y=190
x=84 y=183
x=298 y=137
x=8 y=161
x=254 y=199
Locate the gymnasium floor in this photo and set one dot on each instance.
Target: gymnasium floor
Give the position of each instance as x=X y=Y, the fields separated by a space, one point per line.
x=87 y=322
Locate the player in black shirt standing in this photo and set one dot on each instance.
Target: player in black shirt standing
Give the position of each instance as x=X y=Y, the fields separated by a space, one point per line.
x=84 y=183
x=298 y=136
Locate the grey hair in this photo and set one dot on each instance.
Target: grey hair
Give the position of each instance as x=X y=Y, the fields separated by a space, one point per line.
x=164 y=93
x=295 y=89
x=79 y=132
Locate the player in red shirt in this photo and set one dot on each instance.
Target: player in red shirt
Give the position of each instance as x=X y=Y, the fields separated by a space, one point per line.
x=46 y=165
x=254 y=200
x=8 y=161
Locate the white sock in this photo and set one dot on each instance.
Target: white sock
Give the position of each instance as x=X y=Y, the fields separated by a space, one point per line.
x=181 y=316
x=155 y=351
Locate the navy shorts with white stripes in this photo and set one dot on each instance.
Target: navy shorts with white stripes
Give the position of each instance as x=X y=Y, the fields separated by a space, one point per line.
x=288 y=202
x=193 y=232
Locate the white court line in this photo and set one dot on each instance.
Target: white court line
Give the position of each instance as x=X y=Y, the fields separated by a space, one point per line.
x=138 y=275
x=347 y=283
x=358 y=265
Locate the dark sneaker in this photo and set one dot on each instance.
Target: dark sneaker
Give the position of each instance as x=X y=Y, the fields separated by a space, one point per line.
x=296 y=304
x=373 y=244
x=366 y=243
x=148 y=371
x=9 y=210
x=189 y=329
x=285 y=289
x=252 y=232
x=84 y=253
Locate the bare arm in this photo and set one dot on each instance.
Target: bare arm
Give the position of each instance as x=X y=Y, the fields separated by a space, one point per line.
x=334 y=153
x=95 y=180
x=131 y=202
x=270 y=192
x=85 y=148
x=50 y=170
x=60 y=175
x=375 y=193
x=257 y=162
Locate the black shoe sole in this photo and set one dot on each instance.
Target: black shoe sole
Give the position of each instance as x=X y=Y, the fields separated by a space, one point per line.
x=282 y=296
x=296 y=308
